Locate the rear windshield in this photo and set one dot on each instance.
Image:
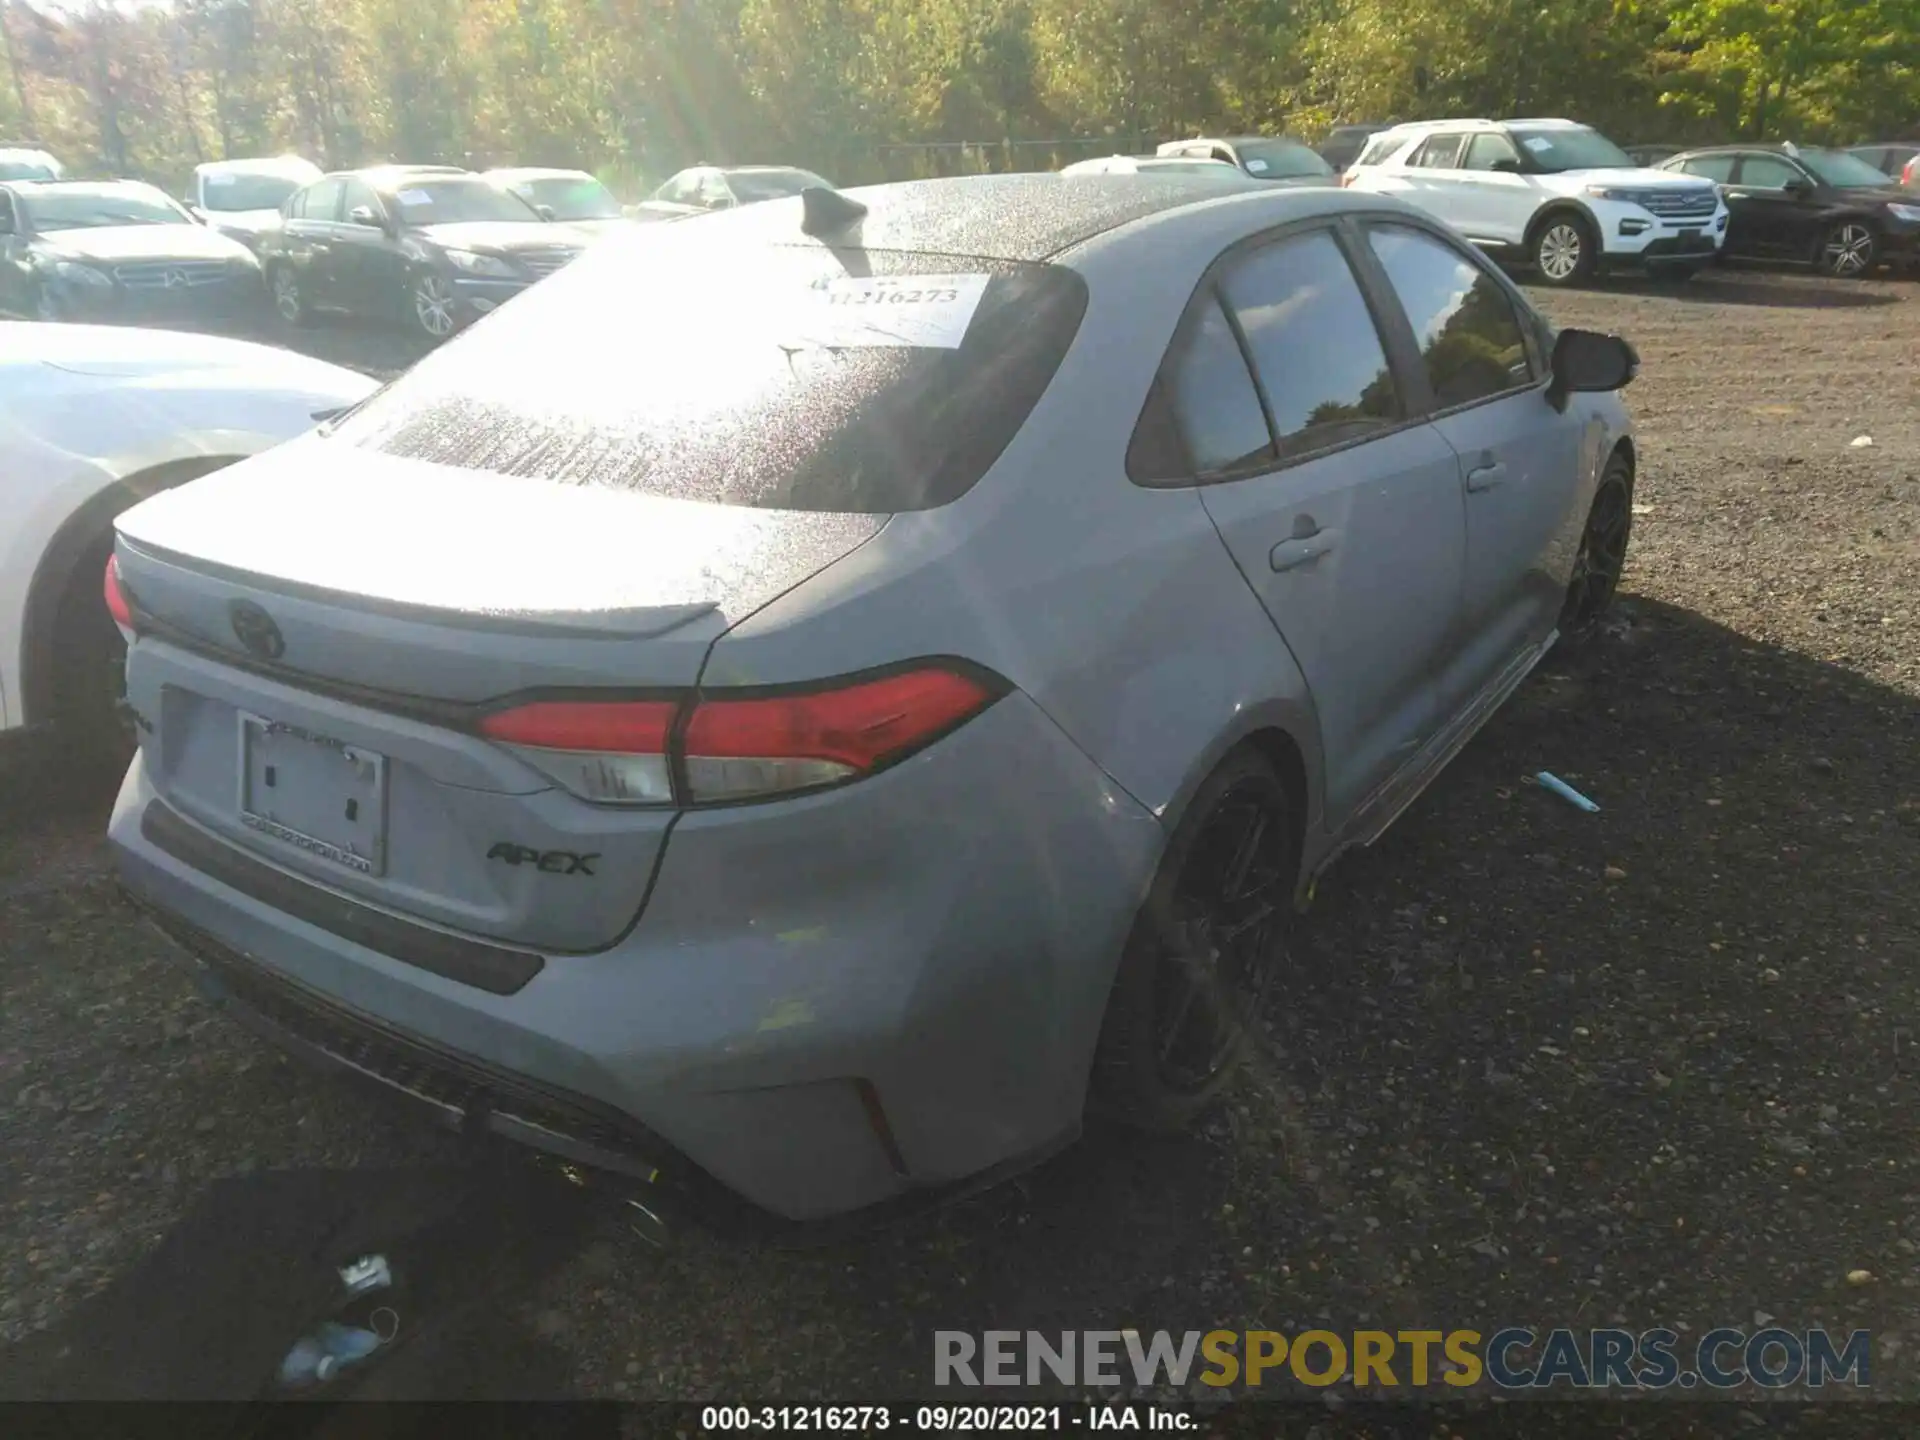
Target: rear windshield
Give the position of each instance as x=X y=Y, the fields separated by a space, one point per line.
x=791 y=377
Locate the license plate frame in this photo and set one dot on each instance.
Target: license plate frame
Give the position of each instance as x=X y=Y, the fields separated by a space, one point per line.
x=353 y=779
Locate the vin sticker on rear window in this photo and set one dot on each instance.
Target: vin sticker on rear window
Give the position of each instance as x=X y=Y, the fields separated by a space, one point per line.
x=924 y=311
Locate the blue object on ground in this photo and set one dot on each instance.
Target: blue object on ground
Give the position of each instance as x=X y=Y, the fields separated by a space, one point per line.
x=1565 y=791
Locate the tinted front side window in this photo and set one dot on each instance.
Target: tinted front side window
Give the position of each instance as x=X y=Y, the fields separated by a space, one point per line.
x=322 y=200
x=1468 y=332
x=1765 y=172
x=1315 y=350
x=743 y=373
x=357 y=195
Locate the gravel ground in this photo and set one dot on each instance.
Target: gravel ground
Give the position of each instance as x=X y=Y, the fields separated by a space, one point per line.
x=1655 y=1066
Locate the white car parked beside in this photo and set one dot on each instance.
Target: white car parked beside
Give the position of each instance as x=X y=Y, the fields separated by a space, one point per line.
x=1555 y=193
x=93 y=419
x=242 y=198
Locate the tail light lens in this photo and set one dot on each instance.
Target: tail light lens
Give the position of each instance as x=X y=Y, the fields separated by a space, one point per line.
x=765 y=746
x=740 y=748
x=614 y=751
x=117 y=605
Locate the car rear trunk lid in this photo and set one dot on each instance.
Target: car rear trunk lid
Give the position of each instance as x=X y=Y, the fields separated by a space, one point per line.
x=322 y=628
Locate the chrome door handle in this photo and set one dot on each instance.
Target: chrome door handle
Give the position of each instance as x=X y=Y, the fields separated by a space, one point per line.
x=1292 y=554
x=1485 y=477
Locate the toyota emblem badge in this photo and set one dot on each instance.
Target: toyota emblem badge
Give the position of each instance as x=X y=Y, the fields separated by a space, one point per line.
x=254 y=628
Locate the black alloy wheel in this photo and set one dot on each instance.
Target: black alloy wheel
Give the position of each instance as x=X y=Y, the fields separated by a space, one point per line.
x=1602 y=556
x=1205 y=950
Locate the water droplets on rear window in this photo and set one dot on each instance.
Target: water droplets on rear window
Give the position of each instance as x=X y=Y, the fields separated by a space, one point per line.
x=769 y=375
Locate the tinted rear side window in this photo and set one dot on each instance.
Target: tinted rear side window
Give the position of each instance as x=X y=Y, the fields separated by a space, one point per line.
x=778 y=377
x=1216 y=410
x=1718 y=168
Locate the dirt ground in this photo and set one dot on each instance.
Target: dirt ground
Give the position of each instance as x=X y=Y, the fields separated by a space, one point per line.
x=1654 y=1066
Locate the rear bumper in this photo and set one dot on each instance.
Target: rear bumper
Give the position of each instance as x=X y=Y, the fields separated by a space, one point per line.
x=828 y=1003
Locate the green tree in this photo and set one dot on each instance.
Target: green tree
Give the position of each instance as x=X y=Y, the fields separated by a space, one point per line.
x=1834 y=68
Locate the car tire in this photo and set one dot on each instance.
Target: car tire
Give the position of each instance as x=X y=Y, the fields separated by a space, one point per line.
x=1564 y=250
x=430 y=307
x=91 y=728
x=1849 y=250
x=47 y=309
x=1174 y=984
x=1602 y=556
x=289 y=302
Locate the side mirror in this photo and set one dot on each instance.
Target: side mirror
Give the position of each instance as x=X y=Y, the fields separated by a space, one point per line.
x=546 y=211
x=1507 y=167
x=364 y=215
x=719 y=202
x=1798 y=187
x=1587 y=361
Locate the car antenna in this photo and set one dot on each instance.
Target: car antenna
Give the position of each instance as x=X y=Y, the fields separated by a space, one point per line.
x=827 y=211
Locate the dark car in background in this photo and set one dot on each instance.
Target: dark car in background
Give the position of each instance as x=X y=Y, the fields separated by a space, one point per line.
x=701 y=188
x=1824 y=208
x=573 y=197
x=431 y=247
x=118 y=251
x=1265 y=157
x=1345 y=142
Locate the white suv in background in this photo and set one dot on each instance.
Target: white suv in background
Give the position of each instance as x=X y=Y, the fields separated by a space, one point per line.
x=1558 y=194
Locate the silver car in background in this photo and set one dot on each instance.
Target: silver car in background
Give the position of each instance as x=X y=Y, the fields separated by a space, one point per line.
x=808 y=694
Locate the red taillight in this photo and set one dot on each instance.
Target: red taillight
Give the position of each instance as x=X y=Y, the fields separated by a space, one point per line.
x=767 y=745
x=633 y=726
x=614 y=751
x=116 y=597
x=625 y=752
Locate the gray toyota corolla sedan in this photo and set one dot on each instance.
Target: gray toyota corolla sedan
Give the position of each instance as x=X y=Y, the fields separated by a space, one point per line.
x=813 y=697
